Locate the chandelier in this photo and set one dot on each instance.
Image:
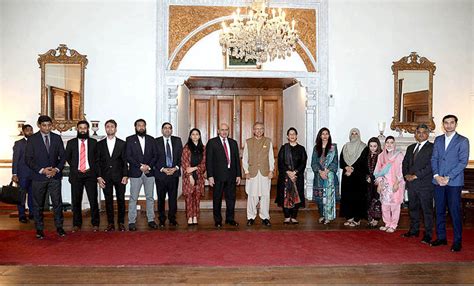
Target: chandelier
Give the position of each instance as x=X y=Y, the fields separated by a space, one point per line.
x=259 y=36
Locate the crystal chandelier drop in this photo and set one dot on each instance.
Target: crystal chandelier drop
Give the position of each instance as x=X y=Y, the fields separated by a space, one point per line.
x=258 y=35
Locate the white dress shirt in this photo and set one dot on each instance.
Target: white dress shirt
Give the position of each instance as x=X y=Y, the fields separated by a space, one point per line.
x=447 y=140
x=419 y=145
x=142 y=143
x=111 y=145
x=79 y=142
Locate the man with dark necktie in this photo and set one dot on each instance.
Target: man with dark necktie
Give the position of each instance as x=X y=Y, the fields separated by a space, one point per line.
x=224 y=173
x=167 y=173
x=21 y=174
x=81 y=154
x=45 y=157
x=417 y=172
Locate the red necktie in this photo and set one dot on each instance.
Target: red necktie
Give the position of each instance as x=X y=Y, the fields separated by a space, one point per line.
x=226 y=152
x=82 y=157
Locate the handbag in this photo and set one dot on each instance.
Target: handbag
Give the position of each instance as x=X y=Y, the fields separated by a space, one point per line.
x=11 y=194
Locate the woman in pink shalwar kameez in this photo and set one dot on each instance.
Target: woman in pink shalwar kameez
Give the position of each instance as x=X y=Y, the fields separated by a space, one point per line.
x=390 y=184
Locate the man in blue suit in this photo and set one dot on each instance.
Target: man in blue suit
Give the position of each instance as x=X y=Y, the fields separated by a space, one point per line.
x=141 y=156
x=450 y=157
x=21 y=174
x=45 y=157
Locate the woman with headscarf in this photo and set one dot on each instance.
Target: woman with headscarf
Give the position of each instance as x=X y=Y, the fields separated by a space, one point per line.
x=291 y=165
x=193 y=163
x=353 y=163
x=325 y=184
x=390 y=184
x=374 y=212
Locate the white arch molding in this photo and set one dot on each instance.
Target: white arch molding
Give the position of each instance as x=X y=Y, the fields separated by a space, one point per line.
x=315 y=83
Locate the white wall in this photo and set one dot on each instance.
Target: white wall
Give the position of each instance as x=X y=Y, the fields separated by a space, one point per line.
x=294 y=101
x=182 y=130
x=365 y=37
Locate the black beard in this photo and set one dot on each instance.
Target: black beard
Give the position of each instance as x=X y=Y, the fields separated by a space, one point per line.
x=140 y=133
x=83 y=136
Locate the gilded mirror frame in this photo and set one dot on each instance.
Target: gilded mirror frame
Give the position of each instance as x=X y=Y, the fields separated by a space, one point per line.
x=412 y=62
x=62 y=55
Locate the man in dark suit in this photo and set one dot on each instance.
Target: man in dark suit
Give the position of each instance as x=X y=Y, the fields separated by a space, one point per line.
x=418 y=175
x=45 y=157
x=141 y=157
x=223 y=172
x=81 y=154
x=21 y=174
x=112 y=172
x=450 y=158
x=167 y=173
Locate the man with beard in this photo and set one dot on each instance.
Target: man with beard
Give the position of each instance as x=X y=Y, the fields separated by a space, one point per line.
x=112 y=172
x=81 y=154
x=167 y=173
x=21 y=174
x=45 y=157
x=141 y=157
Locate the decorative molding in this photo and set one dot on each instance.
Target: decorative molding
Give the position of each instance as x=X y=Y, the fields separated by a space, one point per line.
x=411 y=62
x=62 y=55
x=189 y=24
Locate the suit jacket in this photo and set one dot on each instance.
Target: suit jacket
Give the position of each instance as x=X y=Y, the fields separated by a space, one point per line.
x=37 y=157
x=177 y=147
x=421 y=166
x=19 y=166
x=452 y=161
x=72 y=156
x=112 y=167
x=135 y=156
x=216 y=161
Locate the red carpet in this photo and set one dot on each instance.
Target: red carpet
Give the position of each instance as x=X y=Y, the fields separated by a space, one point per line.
x=225 y=248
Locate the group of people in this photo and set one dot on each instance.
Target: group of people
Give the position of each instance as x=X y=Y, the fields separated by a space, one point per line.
x=373 y=181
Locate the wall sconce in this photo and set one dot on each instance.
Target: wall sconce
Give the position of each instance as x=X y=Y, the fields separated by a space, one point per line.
x=19 y=126
x=95 y=126
x=381 y=126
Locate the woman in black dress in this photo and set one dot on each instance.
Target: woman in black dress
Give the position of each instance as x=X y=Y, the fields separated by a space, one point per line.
x=353 y=162
x=291 y=166
x=374 y=212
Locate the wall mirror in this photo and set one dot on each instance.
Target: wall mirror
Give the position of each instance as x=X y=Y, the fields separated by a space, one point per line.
x=413 y=93
x=62 y=86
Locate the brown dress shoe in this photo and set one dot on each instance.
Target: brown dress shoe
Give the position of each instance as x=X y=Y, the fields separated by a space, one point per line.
x=95 y=228
x=76 y=228
x=110 y=227
x=122 y=227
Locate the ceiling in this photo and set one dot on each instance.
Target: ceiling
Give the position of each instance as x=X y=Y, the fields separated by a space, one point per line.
x=208 y=83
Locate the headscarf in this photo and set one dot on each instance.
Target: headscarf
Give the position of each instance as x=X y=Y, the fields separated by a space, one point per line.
x=352 y=149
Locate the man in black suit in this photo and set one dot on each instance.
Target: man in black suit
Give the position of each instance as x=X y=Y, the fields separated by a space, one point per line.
x=167 y=173
x=21 y=174
x=112 y=172
x=223 y=172
x=418 y=175
x=141 y=157
x=81 y=154
x=45 y=157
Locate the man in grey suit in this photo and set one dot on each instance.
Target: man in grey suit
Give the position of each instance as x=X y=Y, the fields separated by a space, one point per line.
x=418 y=175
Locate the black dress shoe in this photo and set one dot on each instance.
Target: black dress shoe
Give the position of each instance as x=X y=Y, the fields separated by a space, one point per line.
x=456 y=247
x=110 y=227
x=232 y=222
x=132 y=227
x=39 y=234
x=31 y=217
x=23 y=219
x=162 y=224
x=152 y=225
x=439 y=242
x=121 y=227
x=250 y=222
x=426 y=239
x=61 y=232
x=411 y=234
x=173 y=223
x=266 y=222
x=218 y=224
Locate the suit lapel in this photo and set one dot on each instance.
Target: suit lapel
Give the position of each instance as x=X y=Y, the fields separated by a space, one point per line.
x=452 y=143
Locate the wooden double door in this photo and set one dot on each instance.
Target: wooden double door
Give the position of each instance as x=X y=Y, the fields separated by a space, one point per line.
x=240 y=109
